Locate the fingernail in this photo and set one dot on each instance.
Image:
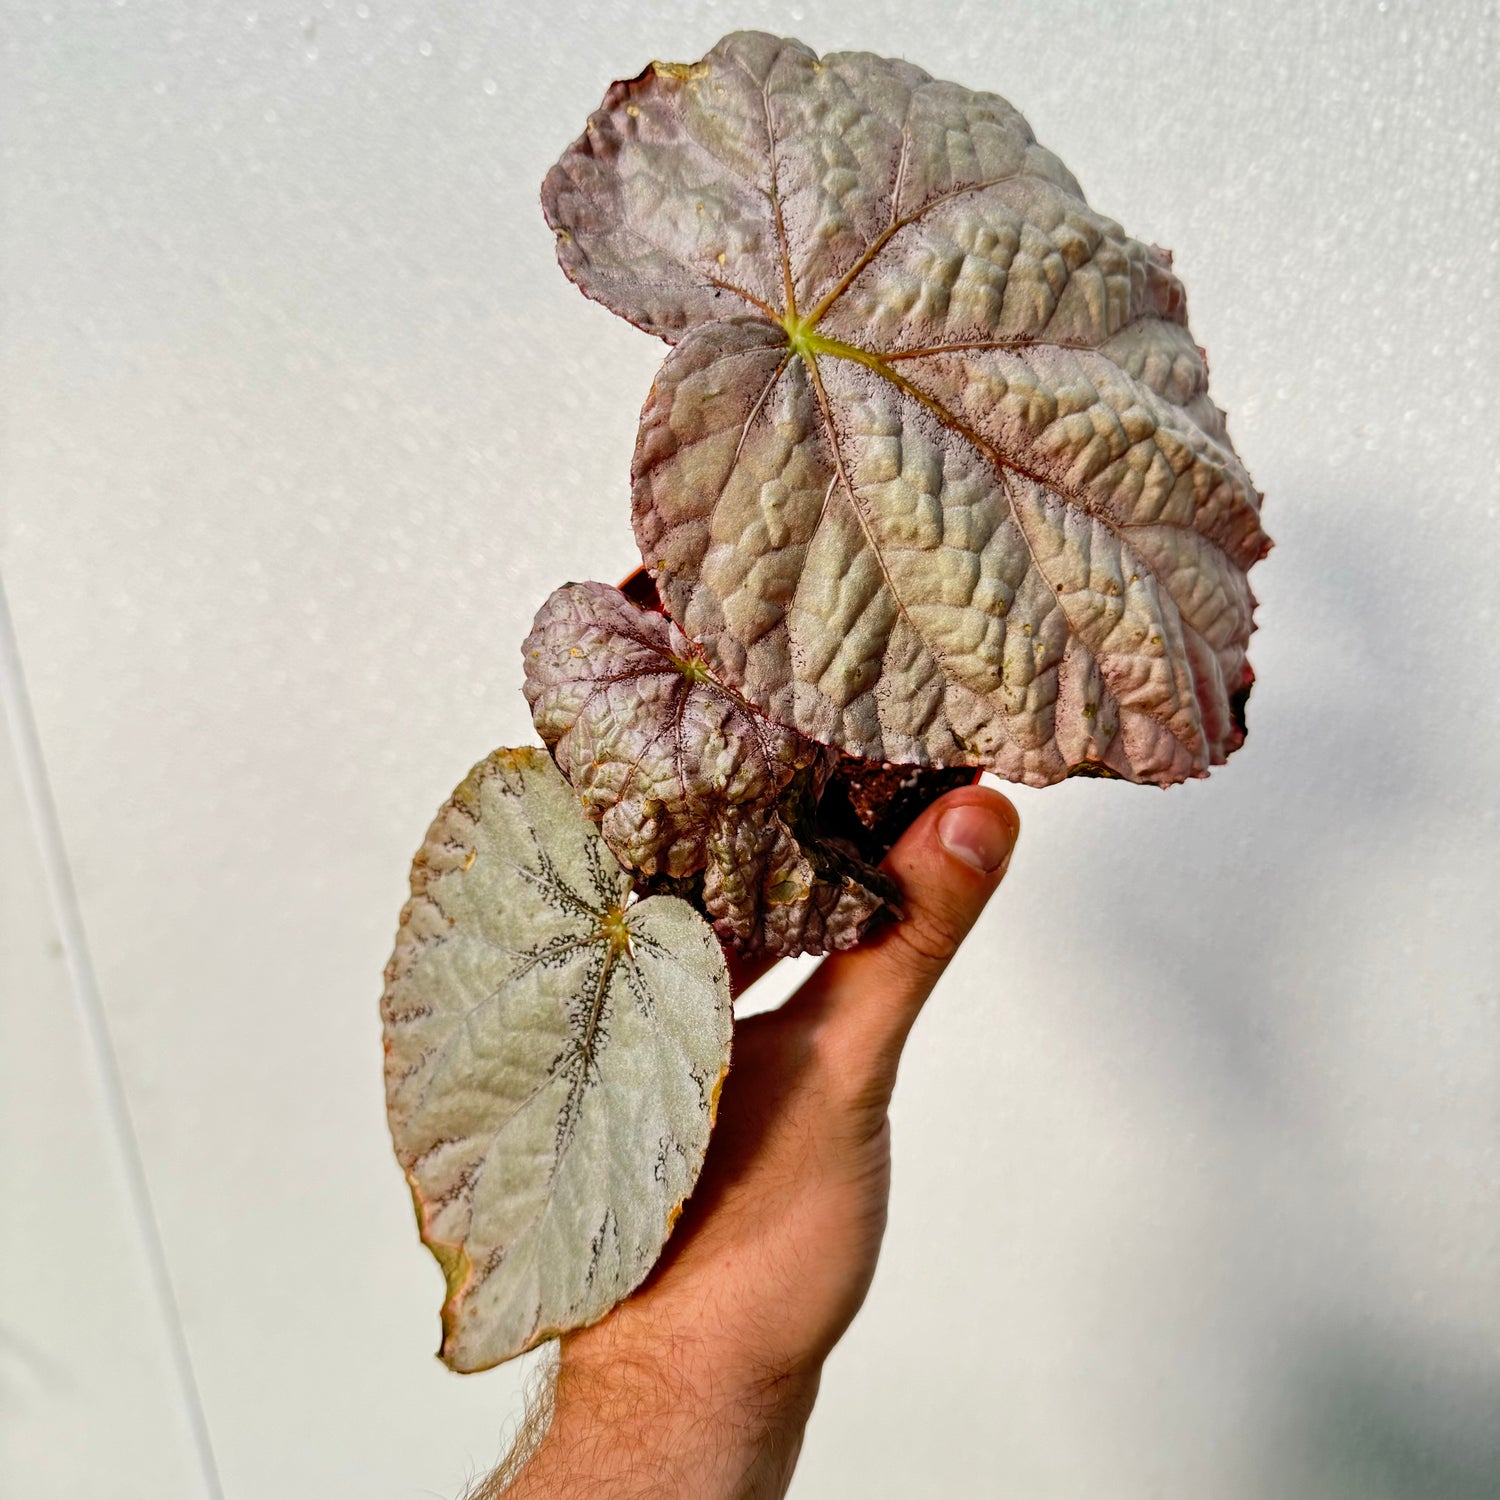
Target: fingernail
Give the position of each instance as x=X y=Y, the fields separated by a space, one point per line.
x=977 y=835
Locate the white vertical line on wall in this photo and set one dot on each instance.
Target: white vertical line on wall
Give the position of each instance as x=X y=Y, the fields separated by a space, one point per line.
x=15 y=707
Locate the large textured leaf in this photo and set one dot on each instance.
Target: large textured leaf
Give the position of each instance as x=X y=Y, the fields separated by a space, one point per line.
x=932 y=473
x=685 y=776
x=553 y=1060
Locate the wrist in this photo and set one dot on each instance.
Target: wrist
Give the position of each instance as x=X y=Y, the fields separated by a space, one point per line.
x=652 y=1414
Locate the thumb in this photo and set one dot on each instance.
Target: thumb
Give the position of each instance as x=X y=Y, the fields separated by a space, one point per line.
x=863 y=1001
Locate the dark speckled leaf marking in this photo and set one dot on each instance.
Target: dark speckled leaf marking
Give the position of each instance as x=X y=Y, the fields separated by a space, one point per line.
x=545 y=1036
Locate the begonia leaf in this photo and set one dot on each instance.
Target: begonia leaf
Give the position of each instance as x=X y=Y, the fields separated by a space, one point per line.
x=866 y=804
x=554 y=1053
x=649 y=739
x=932 y=473
x=685 y=776
x=781 y=885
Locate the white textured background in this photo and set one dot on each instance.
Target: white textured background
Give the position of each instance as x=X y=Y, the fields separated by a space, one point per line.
x=1197 y=1149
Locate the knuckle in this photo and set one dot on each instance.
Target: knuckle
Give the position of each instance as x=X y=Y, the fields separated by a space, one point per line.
x=869 y=1124
x=926 y=939
x=857 y=1077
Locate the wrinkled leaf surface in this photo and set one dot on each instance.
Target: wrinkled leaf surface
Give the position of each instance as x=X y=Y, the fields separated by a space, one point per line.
x=932 y=472
x=553 y=1060
x=651 y=742
x=685 y=776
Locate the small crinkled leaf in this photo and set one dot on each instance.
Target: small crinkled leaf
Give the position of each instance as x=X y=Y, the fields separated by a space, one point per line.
x=932 y=473
x=684 y=776
x=553 y=1060
x=653 y=745
x=770 y=891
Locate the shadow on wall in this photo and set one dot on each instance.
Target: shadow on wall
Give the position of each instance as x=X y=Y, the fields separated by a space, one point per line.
x=1299 y=1017
x=1371 y=866
x=1373 y=1422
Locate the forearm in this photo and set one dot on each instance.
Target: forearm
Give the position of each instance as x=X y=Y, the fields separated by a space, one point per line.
x=652 y=1421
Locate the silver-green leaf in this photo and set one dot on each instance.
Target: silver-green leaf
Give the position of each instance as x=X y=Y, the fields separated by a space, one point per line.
x=554 y=1053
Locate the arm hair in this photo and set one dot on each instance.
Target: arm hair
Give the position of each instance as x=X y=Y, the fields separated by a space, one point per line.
x=541 y=1396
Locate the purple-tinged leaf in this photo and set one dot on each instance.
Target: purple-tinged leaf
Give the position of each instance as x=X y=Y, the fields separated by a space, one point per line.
x=685 y=777
x=932 y=473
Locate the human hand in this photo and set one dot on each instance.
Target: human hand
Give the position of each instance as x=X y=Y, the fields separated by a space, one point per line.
x=700 y=1384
